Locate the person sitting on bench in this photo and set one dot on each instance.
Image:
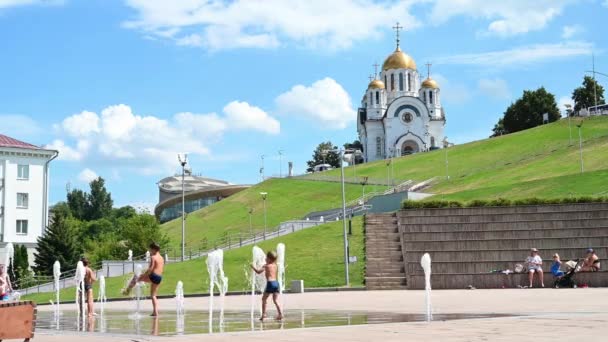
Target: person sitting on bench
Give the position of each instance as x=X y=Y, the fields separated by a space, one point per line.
x=591 y=262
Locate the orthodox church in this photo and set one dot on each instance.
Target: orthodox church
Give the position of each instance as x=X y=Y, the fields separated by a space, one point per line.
x=399 y=113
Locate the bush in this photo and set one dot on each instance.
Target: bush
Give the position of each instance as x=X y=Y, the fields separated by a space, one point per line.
x=500 y=202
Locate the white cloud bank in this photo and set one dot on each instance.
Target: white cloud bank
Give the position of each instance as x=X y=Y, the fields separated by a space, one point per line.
x=150 y=144
x=217 y=25
x=325 y=102
x=570 y=31
x=87 y=176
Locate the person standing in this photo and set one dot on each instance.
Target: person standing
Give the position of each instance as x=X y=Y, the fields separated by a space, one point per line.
x=89 y=279
x=153 y=275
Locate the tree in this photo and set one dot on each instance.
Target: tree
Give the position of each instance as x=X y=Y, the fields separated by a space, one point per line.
x=138 y=231
x=319 y=157
x=584 y=96
x=356 y=145
x=20 y=267
x=499 y=129
x=58 y=243
x=99 y=200
x=527 y=112
x=78 y=204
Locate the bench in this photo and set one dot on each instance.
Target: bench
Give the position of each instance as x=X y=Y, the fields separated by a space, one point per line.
x=18 y=320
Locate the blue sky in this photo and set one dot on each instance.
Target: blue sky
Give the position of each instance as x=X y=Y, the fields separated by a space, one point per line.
x=120 y=86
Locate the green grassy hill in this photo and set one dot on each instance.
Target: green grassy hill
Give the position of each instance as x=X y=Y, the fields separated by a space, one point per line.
x=314 y=255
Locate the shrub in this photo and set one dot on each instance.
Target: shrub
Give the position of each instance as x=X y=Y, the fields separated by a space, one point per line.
x=500 y=202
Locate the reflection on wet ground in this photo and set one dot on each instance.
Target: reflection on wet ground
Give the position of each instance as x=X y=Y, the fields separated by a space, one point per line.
x=199 y=322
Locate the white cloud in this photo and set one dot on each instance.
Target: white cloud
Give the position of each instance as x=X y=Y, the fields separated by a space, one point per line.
x=452 y=93
x=26 y=126
x=564 y=100
x=87 y=175
x=148 y=144
x=81 y=125
x=519 y=56
x=244 y=116
x=570 y=31
x=496 y=88
x=217 y=25
x=325 y=102
x=506 y=18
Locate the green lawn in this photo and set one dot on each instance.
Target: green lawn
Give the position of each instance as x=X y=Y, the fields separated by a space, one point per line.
x=314 y=255
x=287 y=199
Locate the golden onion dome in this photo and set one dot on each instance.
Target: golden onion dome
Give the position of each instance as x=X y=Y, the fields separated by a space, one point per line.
x=398 y=60
x=376 y=84
x=430 y=83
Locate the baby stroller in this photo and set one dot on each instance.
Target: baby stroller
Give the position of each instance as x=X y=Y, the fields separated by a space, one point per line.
x=567 y=280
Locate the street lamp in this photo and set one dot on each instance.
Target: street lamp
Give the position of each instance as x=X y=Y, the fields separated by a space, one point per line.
x=363 y=182
x=342 y=152
x=262 y=168
x=280 y=163
x=426 y=137
x=580 y=144
x=446 y=144
x=183 y=160
x=264 y=195
x=250 y=225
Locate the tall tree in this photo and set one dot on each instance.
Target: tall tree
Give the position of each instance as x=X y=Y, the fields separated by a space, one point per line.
x=99 y=200
x=78 y=204
x=585 y=95
x=320 y=157
x=527 y=112
x=57 y=243
x=20 y=266
x=499 y=129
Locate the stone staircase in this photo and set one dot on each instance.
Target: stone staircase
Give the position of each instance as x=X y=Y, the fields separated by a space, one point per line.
x=466 y=244
x=384 y=256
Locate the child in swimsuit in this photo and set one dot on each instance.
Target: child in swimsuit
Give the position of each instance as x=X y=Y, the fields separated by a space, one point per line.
x=272 y=285
x=89 y=279
x=154 y=275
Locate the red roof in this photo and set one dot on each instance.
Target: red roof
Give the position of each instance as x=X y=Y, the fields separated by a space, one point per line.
x=10 y=142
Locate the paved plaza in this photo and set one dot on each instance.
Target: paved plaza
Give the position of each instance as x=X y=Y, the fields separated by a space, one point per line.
x=539 y=315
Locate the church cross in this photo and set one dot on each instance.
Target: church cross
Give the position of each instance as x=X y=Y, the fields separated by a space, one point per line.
x=375 y=65
x=428 y=69
x=371 y=78
x=397 y=28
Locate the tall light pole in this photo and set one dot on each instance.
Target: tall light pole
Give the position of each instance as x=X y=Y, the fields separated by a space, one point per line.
x=264 y=195
x=364 y=180
x=446 y=144
x=342 y=152
x=280 y=163
x=250 y=224
x=580 y=145
x=568 y=112
x=183 y=160
x=594 y=72
x=262 y=168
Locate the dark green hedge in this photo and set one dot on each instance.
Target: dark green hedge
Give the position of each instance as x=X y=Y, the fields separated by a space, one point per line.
x=499 y=202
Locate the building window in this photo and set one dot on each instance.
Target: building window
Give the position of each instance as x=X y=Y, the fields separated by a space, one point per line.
x=23 y=172
x=392 y=81
x=377 y=97
x=409 y=82
x=431 y=97
x=22 y=200
x=432 y=141
x=371 y=99
x=400 y=81
x=378 y=146
x=424 y=95
x=386 y=83
x=21 y=227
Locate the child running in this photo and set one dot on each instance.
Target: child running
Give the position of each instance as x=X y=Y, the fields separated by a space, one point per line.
x=89 y=279
x=272 y=285
x=154 y=275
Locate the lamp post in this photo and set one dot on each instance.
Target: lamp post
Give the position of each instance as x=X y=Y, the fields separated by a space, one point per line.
x=594 y=72
x=250 y=225
x=568 y=112
x=262 y=168
x=183 y=160
x=264 y=196
x=580 y=144
x=364 y=180
x=426 y=137
x=341 y=152
x=446 y=144
x=280 y=163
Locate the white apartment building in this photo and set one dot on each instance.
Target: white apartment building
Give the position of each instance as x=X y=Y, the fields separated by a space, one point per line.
x=24 y=183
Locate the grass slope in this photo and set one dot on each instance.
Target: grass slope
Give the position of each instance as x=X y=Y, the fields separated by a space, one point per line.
x=509 y=164
x=314 y=255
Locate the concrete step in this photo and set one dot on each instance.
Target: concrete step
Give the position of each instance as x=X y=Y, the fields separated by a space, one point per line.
x=500 y=210
x=390 y=259
x=510 y=243
x=385 y=281
x=488 y=226
x=507 y=217
x=385 y=274
x=481 y=266
x=502 y=234
x=498 y=254
x=488 y=281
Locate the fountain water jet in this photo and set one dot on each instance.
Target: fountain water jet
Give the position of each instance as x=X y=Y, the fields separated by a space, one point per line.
x=258 y=281
x=9 y=256
x=102 y=293
x=130 y=255
x=425 y=262
x=179 y=298
x=215 y=267
x=138 y=291
x=56 y=276
x=147 y=256
x=80 y=294
x=281 y=271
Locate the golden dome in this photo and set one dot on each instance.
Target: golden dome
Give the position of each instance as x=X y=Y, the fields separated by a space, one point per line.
x=398 y=60
x=430 y=83
x=376 y=84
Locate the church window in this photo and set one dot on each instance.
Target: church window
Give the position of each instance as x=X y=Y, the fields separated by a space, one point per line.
x=407 y=117
x=377 y=97
x=409 y=82
x=386 y=83
x=371 y=99
x=432 y=141
x=431 y=97
x=392 y=81
x=378 y=146
x=400 y=81
x=424 y=95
